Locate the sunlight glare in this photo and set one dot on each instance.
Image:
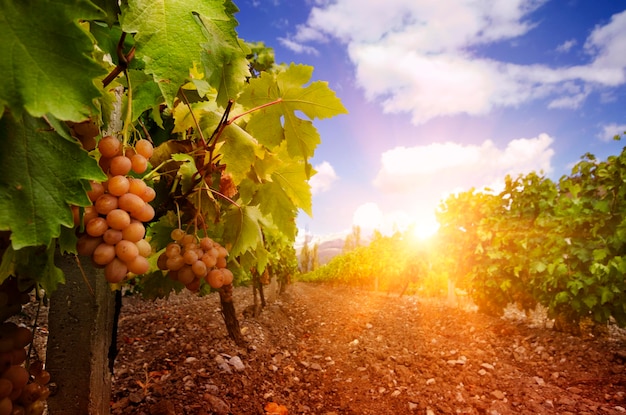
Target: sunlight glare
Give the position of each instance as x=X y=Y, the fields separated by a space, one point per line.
x=425 y=227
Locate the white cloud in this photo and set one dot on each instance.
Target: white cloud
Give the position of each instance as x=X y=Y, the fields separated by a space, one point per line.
x=416 y=56
x=566 y=46
x=297 y=47
x=443 y=168
x=323 y=179
x=611 y=130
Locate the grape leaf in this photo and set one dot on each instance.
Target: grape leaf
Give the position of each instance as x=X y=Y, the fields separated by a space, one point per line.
x=224 y=58
x=293 y=180
x=170 y=38
x=241 y=226
x=41 y=175
x=46 y=63
x=273 y=200
x=238 y=151
x=287 y=89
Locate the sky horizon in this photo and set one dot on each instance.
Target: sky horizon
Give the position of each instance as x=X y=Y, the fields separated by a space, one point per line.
x=446 y=95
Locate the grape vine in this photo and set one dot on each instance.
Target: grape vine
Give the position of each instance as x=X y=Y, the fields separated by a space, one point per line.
x=160 y=145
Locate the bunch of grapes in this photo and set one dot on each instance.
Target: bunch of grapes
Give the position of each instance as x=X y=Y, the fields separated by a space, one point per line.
x=17 y=394
x=190 y=260
x=114 y=230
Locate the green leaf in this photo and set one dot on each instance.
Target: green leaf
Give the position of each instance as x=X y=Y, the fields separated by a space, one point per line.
x=238 y=151
x=273 y=200
x=292 y=178
x=242 y=228
x=186 y=171
x=170 y=37
x=156 y=285
x=288 y=94
x=47 y=64
x=41 y=175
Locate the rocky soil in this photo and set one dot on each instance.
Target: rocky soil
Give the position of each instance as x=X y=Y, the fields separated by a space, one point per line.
x=328 y=350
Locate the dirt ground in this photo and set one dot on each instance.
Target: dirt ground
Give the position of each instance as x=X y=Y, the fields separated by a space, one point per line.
x=326 y=350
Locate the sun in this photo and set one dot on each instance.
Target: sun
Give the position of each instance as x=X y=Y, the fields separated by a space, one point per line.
x=425 y=227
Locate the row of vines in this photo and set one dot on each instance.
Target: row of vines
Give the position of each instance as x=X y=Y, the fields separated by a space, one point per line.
x=147 y=137
x=560 y=244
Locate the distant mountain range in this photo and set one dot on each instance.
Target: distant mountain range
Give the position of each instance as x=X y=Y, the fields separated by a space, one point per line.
x=329 y=249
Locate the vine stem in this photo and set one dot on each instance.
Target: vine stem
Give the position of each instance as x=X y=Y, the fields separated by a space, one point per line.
x=260 y=107
x=129 y=110
x=193 y=116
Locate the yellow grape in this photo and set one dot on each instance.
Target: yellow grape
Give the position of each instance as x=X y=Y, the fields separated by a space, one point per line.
x=118 y=185
x=190 y=256
x=6 y=406
x=118 y=219
x=120 y=165
x=109 y=146
x=172 y=249
x=221 y=262
x=228 y=276
x=144 y=248
x=89 y=214
x=215 y=278
x=115 y=271
x=17 y=375
x=139 y=265
x=139 y=163
x=162 y=262
x=134 y=232
x=96 y=227
x=194 y=285
x=22 y=337
x=209 y=260
x=146 y=214
x=112 y=236
x=126 y=250
x=103 y=254
x=106 y=203
x=36 y=408
x=199 y=269
x=175 y=263
x=188 y=239
x=6 y=387
x=97 y=190
x=87 y=244
x=177 y=234
x=31 y=393
x=18 y=356
x=186 y=275
x=137 y=186
x=131 y=203
x=144 y=147
x=148 y=194
x=206 y=243
x=222 y=252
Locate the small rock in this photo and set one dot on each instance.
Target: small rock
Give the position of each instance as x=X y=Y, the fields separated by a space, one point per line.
x=368 y=326
x=413 y=406
x=540 y=381
x=160 y=332
x=487 y=366
x=236 y=362
x=430 y=411
x=191 y=359
x=354 y=342
x=165 y=407
x=395 y=394
x=619 y=408
x=482 y=372
x=497 y=394
x=216 y=405
x=316 y=366
x=430 y=381
x=136 y=397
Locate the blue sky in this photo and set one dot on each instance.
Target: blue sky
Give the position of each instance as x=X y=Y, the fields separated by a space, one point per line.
x=445 y=95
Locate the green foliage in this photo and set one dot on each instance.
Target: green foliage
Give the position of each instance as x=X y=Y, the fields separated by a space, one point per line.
x=538 y=242
x=388 y=263
x=47 y=63
x=41 y=175
x=232 y=143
